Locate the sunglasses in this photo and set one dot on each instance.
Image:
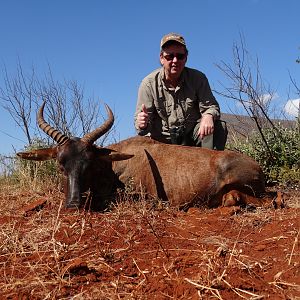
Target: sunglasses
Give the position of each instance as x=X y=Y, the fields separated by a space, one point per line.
x=170 y=56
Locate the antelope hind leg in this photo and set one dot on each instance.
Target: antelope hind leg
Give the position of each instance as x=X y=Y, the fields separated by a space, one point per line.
x=237 y=198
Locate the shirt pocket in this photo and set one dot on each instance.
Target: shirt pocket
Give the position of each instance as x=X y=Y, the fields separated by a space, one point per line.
x=191 y=105
x=192 y=112
x=161 y=108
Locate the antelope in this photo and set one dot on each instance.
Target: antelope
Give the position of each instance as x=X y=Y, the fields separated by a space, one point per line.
x=179 y=175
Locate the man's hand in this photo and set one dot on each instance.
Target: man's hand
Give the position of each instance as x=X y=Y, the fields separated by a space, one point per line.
x=206 y=126
x=143 y=118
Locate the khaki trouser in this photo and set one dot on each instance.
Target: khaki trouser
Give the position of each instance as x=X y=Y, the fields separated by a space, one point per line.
x=216 y=141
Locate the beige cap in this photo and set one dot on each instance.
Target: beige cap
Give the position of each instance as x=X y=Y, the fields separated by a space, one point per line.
x=172 y=37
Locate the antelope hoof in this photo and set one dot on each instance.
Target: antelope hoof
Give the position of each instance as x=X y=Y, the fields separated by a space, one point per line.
x=233 y=198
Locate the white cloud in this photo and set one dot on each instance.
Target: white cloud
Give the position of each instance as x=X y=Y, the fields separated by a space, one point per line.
x=268 y=97
x=292 y=107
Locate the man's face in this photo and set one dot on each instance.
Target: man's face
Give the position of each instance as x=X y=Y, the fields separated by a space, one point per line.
x=173 y=59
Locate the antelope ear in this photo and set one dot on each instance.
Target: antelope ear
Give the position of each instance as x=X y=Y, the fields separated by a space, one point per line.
x=39 y=154
x=112 y=155
x=120 y=156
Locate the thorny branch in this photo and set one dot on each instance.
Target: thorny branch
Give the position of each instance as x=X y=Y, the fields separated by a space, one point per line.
x=247 y=87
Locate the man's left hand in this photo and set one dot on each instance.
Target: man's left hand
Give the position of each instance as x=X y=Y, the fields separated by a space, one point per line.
x=206 y=125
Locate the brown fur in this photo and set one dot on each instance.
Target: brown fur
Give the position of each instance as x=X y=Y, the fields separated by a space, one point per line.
x=186 y=176
x=180 y=175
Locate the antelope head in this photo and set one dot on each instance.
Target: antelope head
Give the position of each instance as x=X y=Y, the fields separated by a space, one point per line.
x=87 y=167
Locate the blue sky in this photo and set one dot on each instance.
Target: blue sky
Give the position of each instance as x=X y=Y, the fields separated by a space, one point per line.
x=109 y=46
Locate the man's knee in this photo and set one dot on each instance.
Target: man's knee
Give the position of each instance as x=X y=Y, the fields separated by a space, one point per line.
x=220 y=135
x=216 y=141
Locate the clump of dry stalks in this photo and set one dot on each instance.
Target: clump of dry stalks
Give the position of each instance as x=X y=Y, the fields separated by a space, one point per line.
x=142 y=249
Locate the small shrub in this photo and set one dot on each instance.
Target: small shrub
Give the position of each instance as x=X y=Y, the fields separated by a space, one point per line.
x=280 y=160
x=34 y=174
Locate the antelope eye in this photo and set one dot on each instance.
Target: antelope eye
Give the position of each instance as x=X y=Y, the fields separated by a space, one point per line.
x=62 y=160
x=62 y=169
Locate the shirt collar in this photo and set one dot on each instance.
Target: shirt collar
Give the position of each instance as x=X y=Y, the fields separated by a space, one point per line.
x=181 y=79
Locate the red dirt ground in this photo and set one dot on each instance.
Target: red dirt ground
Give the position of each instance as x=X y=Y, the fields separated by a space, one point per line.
x=136 y=251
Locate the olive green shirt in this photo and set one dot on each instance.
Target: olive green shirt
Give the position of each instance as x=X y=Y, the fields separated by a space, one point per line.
x=175 y=107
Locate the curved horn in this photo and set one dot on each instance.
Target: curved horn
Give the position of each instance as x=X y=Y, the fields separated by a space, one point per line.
x=52 y=132
x=91 y=137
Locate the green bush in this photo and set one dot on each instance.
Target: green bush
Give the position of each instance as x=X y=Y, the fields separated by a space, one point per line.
x=280 y=158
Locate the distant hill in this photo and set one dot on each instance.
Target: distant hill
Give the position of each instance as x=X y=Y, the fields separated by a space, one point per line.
x=240 y=126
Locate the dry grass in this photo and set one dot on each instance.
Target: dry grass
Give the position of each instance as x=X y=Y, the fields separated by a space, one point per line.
x=139 y=250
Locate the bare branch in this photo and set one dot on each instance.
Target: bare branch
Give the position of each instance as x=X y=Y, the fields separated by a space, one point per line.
x=16 y=99
x=247 y=88
x=67 y=108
